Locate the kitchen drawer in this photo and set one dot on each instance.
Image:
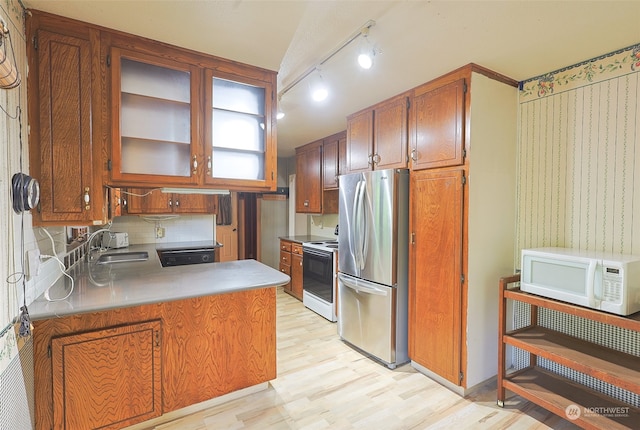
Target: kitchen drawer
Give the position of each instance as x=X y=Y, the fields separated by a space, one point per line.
x=285 y=257
x=285 y=268
x=285 y=246
x=296 y=248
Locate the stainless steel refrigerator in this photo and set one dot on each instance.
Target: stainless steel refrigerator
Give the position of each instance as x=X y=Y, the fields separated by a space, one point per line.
x=372 y=263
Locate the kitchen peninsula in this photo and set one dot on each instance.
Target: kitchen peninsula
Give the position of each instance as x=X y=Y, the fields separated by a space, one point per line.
x=136 y=340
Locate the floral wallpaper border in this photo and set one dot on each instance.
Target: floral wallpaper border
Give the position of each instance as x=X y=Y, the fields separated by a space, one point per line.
x=615 y=64
x=8 y=347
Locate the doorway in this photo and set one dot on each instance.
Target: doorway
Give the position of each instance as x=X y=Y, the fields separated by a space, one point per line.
x=248 y=220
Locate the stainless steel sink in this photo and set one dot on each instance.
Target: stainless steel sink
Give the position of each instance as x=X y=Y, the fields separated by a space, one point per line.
x=123 y=257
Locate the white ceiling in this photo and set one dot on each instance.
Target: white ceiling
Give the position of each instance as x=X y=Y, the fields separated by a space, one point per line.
x=419 y=40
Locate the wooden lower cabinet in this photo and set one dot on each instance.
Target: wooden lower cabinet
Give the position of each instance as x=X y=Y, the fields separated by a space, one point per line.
x=291 y=264
x=107 y=378
x=296 y=273
x=115 y=368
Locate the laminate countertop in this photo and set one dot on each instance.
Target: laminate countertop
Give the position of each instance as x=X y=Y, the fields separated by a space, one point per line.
x=307 y=238
x=99 y=287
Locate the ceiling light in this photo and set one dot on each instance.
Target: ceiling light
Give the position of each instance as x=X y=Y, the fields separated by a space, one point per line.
x=365 y=60
x=280 y=113
x=366 y=52
x=319 y=90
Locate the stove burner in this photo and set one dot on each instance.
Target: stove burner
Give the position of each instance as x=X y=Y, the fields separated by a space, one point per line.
x=326 y=245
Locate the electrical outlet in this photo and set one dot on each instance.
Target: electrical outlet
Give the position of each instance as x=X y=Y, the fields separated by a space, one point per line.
x=159 y=232
x=33 y=263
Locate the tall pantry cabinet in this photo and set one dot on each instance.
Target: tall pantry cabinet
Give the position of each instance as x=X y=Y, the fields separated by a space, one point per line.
x=462 y=142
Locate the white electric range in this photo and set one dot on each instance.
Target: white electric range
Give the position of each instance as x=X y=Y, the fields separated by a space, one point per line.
x=319 y=277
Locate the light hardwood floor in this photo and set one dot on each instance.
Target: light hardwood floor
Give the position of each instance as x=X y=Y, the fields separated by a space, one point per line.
x=324 y=384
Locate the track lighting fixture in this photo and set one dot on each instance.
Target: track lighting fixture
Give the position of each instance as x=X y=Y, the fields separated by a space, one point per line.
x=318 y=88
x=367 y=52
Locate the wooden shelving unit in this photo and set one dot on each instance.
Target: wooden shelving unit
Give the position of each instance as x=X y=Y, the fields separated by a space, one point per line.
x=555 y=392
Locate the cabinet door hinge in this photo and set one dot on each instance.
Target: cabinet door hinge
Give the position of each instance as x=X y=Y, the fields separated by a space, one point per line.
x=464 y=87
x=408 y=103
x=35 y=42
x=413 y=238
x=157 y=340
x=464 y=179
x=49 y=351
x=109 y=166
x=461 y=376
x=272 y=175
x=464 y=152
x=462 y=278
x=108 y=60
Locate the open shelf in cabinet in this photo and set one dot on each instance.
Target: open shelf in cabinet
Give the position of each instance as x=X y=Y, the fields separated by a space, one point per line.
x=555 y=392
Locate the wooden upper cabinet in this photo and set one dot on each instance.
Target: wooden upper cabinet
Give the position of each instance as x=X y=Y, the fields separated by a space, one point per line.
x=342 y=155
x=110 y=108
x=64 y=96
x=239 y=131
x=155 y=119
x=146 y=201
x=331 y=147
x=438 y=125
x=390 y=133
x=381 y=133
x=309 y=178
x=128 y=357
x=184 y=118
x=359 y=146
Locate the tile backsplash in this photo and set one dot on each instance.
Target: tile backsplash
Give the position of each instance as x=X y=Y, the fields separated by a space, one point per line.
x=174 y=228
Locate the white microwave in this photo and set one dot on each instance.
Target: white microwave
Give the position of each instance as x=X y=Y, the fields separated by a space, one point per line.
x=607 y=282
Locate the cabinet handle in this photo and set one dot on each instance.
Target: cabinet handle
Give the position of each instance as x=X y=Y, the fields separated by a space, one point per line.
x=376 y=159
x=195 y=165
x=306 y=203
x=87 y=199
x=177 y=203
x=414 y=154
x=170 y=203
x=370 y=159
x=209 y=165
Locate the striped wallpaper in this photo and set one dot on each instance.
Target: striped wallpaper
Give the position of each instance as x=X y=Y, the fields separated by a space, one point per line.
x=578 y=162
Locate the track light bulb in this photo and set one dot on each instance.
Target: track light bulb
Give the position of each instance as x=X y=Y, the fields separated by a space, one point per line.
x=365 y=60
x=318 y=88
x=319 y=94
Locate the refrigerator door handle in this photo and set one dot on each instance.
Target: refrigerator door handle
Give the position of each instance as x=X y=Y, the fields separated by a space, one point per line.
x=361 y=286
x=358 y=224
x=362 y=224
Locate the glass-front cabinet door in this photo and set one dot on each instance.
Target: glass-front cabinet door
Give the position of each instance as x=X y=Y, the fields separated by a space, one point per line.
x=239 y=134
x=155 y=119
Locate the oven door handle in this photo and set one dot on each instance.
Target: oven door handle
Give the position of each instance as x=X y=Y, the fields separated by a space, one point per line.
x=362 y=286
x=326 y=255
